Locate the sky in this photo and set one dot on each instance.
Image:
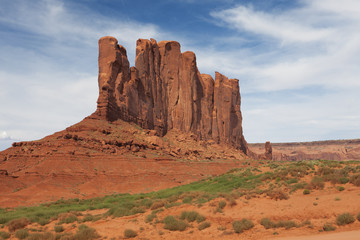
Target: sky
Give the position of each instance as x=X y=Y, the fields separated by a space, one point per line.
x=297 y=61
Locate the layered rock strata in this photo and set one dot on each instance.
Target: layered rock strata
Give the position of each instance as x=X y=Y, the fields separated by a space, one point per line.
x=165 y=91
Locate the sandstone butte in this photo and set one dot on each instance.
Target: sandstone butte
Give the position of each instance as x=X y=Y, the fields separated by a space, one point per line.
x=157 y=125
x=165 y=91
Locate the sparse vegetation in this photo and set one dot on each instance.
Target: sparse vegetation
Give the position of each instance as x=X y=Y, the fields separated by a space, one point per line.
x=344 y=219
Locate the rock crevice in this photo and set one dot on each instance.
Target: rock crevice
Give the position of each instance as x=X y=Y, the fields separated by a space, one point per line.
x=165 y=91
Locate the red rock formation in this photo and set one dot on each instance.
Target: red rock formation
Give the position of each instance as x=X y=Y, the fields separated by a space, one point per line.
x=165 y=91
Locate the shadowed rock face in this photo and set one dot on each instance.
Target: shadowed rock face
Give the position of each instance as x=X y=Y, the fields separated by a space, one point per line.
x=165 y=91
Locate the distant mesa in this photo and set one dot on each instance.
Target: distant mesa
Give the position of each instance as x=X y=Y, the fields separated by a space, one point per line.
x=165 y=91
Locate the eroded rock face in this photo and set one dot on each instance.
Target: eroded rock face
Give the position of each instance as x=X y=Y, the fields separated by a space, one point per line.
x=165 y=91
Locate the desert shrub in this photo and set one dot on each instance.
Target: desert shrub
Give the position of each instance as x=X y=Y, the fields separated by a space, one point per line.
x=328 y=227
x=355 y=179
x=222 y=204
x=136 y=210
x=244 y=224
x=69 y=219
x=345 y=218
x=204 y=225
x=306 y=191
x=150 y=217
x=286 y=224
x=41 y=236
x=21 y=233
x=146 y=202
x=267 y=223
x=157 y=204
x=358 y=217
x=88 y=218
x=200 y=218
x=18 y=224
x=187 y=199
x=277 y=194
x=4 y=235
x=173 y=224
x=344 y=180
x=84 y=233
x=317 y=183
x=340 y=188
x=189 y=216
x=43 y=221
x=58 y=228
x=232 y=202
x=129 y=233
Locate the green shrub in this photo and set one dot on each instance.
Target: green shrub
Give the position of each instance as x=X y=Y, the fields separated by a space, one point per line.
x=129 y=233
x=204 y=225
x=58 y=228
x=173 y=224
x=328 y=227
x=200 y=218
x=345 y=218
x=222 y=204
x=84 y=233
x=244 y=224
x=21 y=234
x=4 y=235
x=340 y=188
x=306 y=191
x=18 y=224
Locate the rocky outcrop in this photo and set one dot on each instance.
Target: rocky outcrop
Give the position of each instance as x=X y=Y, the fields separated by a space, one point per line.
x=268 y=150
x=165 y=91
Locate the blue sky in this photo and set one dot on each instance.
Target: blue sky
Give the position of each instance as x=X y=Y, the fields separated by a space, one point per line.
x=298 y=62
